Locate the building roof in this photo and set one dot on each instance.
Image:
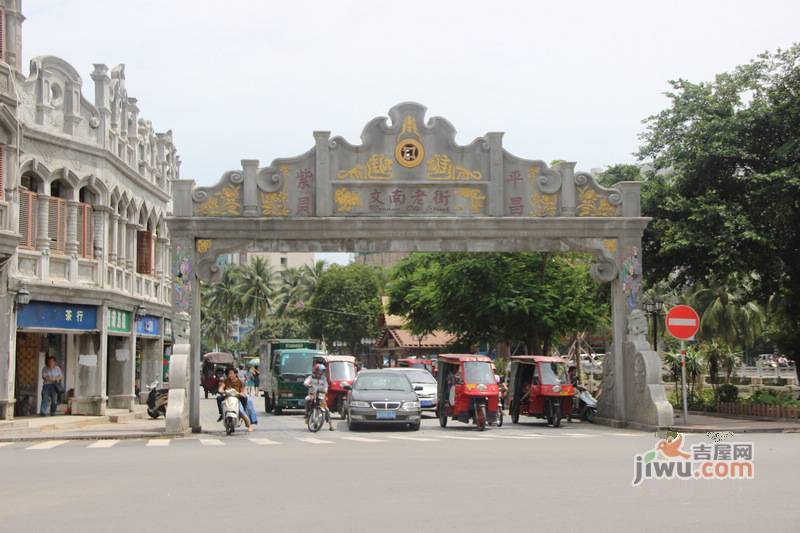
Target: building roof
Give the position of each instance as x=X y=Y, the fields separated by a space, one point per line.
x=403 y=338
x=391 y=321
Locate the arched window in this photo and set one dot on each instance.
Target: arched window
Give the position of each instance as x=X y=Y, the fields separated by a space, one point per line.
x=57 y=221
x=87 y=200
x=145 y=249
x=30 y=186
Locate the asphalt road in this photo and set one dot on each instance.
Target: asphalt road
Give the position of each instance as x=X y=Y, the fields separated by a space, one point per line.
x=527 y=477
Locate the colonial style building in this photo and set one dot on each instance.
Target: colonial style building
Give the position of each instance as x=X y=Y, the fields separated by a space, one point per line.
x=85 y=189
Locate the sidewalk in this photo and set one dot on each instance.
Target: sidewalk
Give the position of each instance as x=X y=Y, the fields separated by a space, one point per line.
x=704 y=423
x=122 y=425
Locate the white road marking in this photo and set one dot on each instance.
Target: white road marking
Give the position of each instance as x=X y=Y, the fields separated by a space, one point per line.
x=46 y=445
x=620 y=434
x=416 y=439
x=158 y=443
x=578 y=435
x=363 y=439
x=457 y=437
x=211 y=442
x=3 y=444
x=521 y=437
x=103 y=444
x=312 y=440
x=262 y=442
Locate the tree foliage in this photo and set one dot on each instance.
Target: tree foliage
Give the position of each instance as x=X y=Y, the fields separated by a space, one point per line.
x=726 y=206
x=491 y=297
x=346 y=305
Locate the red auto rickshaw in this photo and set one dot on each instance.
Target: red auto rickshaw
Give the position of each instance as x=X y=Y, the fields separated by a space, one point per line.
x=467 y=390
x=215 y=367
x=340 y=371
x=540 y=387
x=416 y=362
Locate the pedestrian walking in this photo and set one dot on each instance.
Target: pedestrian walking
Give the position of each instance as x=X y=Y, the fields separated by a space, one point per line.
x=51 y=377
x=249 y=382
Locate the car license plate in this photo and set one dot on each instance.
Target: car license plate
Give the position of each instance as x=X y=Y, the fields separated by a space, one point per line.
x=386 y=415
x=426 y=403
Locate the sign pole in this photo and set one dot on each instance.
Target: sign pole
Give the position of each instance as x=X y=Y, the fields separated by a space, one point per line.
x=683 y=382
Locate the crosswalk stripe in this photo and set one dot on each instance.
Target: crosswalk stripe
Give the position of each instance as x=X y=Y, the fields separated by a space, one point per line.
x=620 y=434
x=103 y=444
x=578 y=435
x=46 y=445
x=312 y=440
x=457 y=437
x=416 y=439
x=521 y=437
x=263 y=442
x=3 y=444
x=363 y=439
x=158 y=443
x=211 y=442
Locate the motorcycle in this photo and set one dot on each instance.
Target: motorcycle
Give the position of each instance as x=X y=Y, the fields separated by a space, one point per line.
x=230 y=411
x=157 y=400
x=584 y=405
x=318 y=413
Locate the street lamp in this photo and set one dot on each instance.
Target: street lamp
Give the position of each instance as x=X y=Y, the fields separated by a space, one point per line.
x=654 y=309
x=23 y=297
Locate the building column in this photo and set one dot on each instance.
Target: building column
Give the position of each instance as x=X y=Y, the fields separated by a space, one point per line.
x=71 y=248
x=164 y=268
x=8 y=341
x=112 y=238
x=89 y=385
x=43 y=235
x=130 y=256
x=122 y=371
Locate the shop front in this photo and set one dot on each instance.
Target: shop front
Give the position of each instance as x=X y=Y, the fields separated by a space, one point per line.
x=119 y=347
x=149 y=353
x=68 y=332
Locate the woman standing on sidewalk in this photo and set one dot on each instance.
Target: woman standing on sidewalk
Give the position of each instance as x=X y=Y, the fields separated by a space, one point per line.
x=51 y=376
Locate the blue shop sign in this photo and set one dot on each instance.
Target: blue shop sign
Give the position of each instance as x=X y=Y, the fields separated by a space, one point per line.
x=148 y=325
x=48 y=315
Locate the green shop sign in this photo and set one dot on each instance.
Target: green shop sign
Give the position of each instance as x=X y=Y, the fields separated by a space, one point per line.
x=119 y=321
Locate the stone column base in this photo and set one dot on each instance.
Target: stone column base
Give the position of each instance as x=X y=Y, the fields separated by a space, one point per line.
x=122 y=401
x=93 y=406
x=7 y=409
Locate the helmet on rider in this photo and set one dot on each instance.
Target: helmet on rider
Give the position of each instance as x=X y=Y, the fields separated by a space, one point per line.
x=318 y=370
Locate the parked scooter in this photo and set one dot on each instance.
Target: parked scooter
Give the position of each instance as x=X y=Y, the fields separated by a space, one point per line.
x=230 y=411
x=157 y=400
x=584 y=405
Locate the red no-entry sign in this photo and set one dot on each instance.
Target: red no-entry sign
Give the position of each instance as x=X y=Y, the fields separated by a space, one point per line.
x=682 y=322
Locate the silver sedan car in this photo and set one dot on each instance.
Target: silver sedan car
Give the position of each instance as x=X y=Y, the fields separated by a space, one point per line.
x=419 y=377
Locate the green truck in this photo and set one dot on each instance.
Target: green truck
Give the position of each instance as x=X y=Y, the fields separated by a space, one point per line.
x=285 y=364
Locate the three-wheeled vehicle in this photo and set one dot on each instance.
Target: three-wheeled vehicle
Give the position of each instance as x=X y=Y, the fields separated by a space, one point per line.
x=215 y=366
x=418 y=362
x=539 y=386
x=467 y=390
x=341 y=371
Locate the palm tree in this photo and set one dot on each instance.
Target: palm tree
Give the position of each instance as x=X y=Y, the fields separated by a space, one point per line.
x=723 y=315
x=222 y=297
x=255 y=289
x=311 y=275
x=292 y=290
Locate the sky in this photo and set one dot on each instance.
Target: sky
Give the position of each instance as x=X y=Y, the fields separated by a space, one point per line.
x=252 y=79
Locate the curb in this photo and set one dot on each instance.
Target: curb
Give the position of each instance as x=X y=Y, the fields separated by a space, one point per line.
x=96 y=436
x=707 y=429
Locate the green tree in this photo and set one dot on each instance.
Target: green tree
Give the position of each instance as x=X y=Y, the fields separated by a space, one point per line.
x=616 y=173
x=492 y=297
x=724 y=316
x=726 y=211
x=255 y=288
x=346 y=305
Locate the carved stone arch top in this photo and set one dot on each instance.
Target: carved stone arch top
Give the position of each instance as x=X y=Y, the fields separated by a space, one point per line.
x=405 y=166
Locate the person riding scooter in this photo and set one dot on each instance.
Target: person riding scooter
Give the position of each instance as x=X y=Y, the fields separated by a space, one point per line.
x=233 y=382
x=317 y=384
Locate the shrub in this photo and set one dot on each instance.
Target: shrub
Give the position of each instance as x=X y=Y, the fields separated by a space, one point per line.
x=728 y=393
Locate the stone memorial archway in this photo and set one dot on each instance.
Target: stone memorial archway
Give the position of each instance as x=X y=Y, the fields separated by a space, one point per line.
x=409 y=187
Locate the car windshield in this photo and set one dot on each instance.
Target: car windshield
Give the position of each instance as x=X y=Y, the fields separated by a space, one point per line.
x=478 y=373
x=420 y=376
x=382 y=381
x=553 y=373
x=296 y=363
x=342 y=371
